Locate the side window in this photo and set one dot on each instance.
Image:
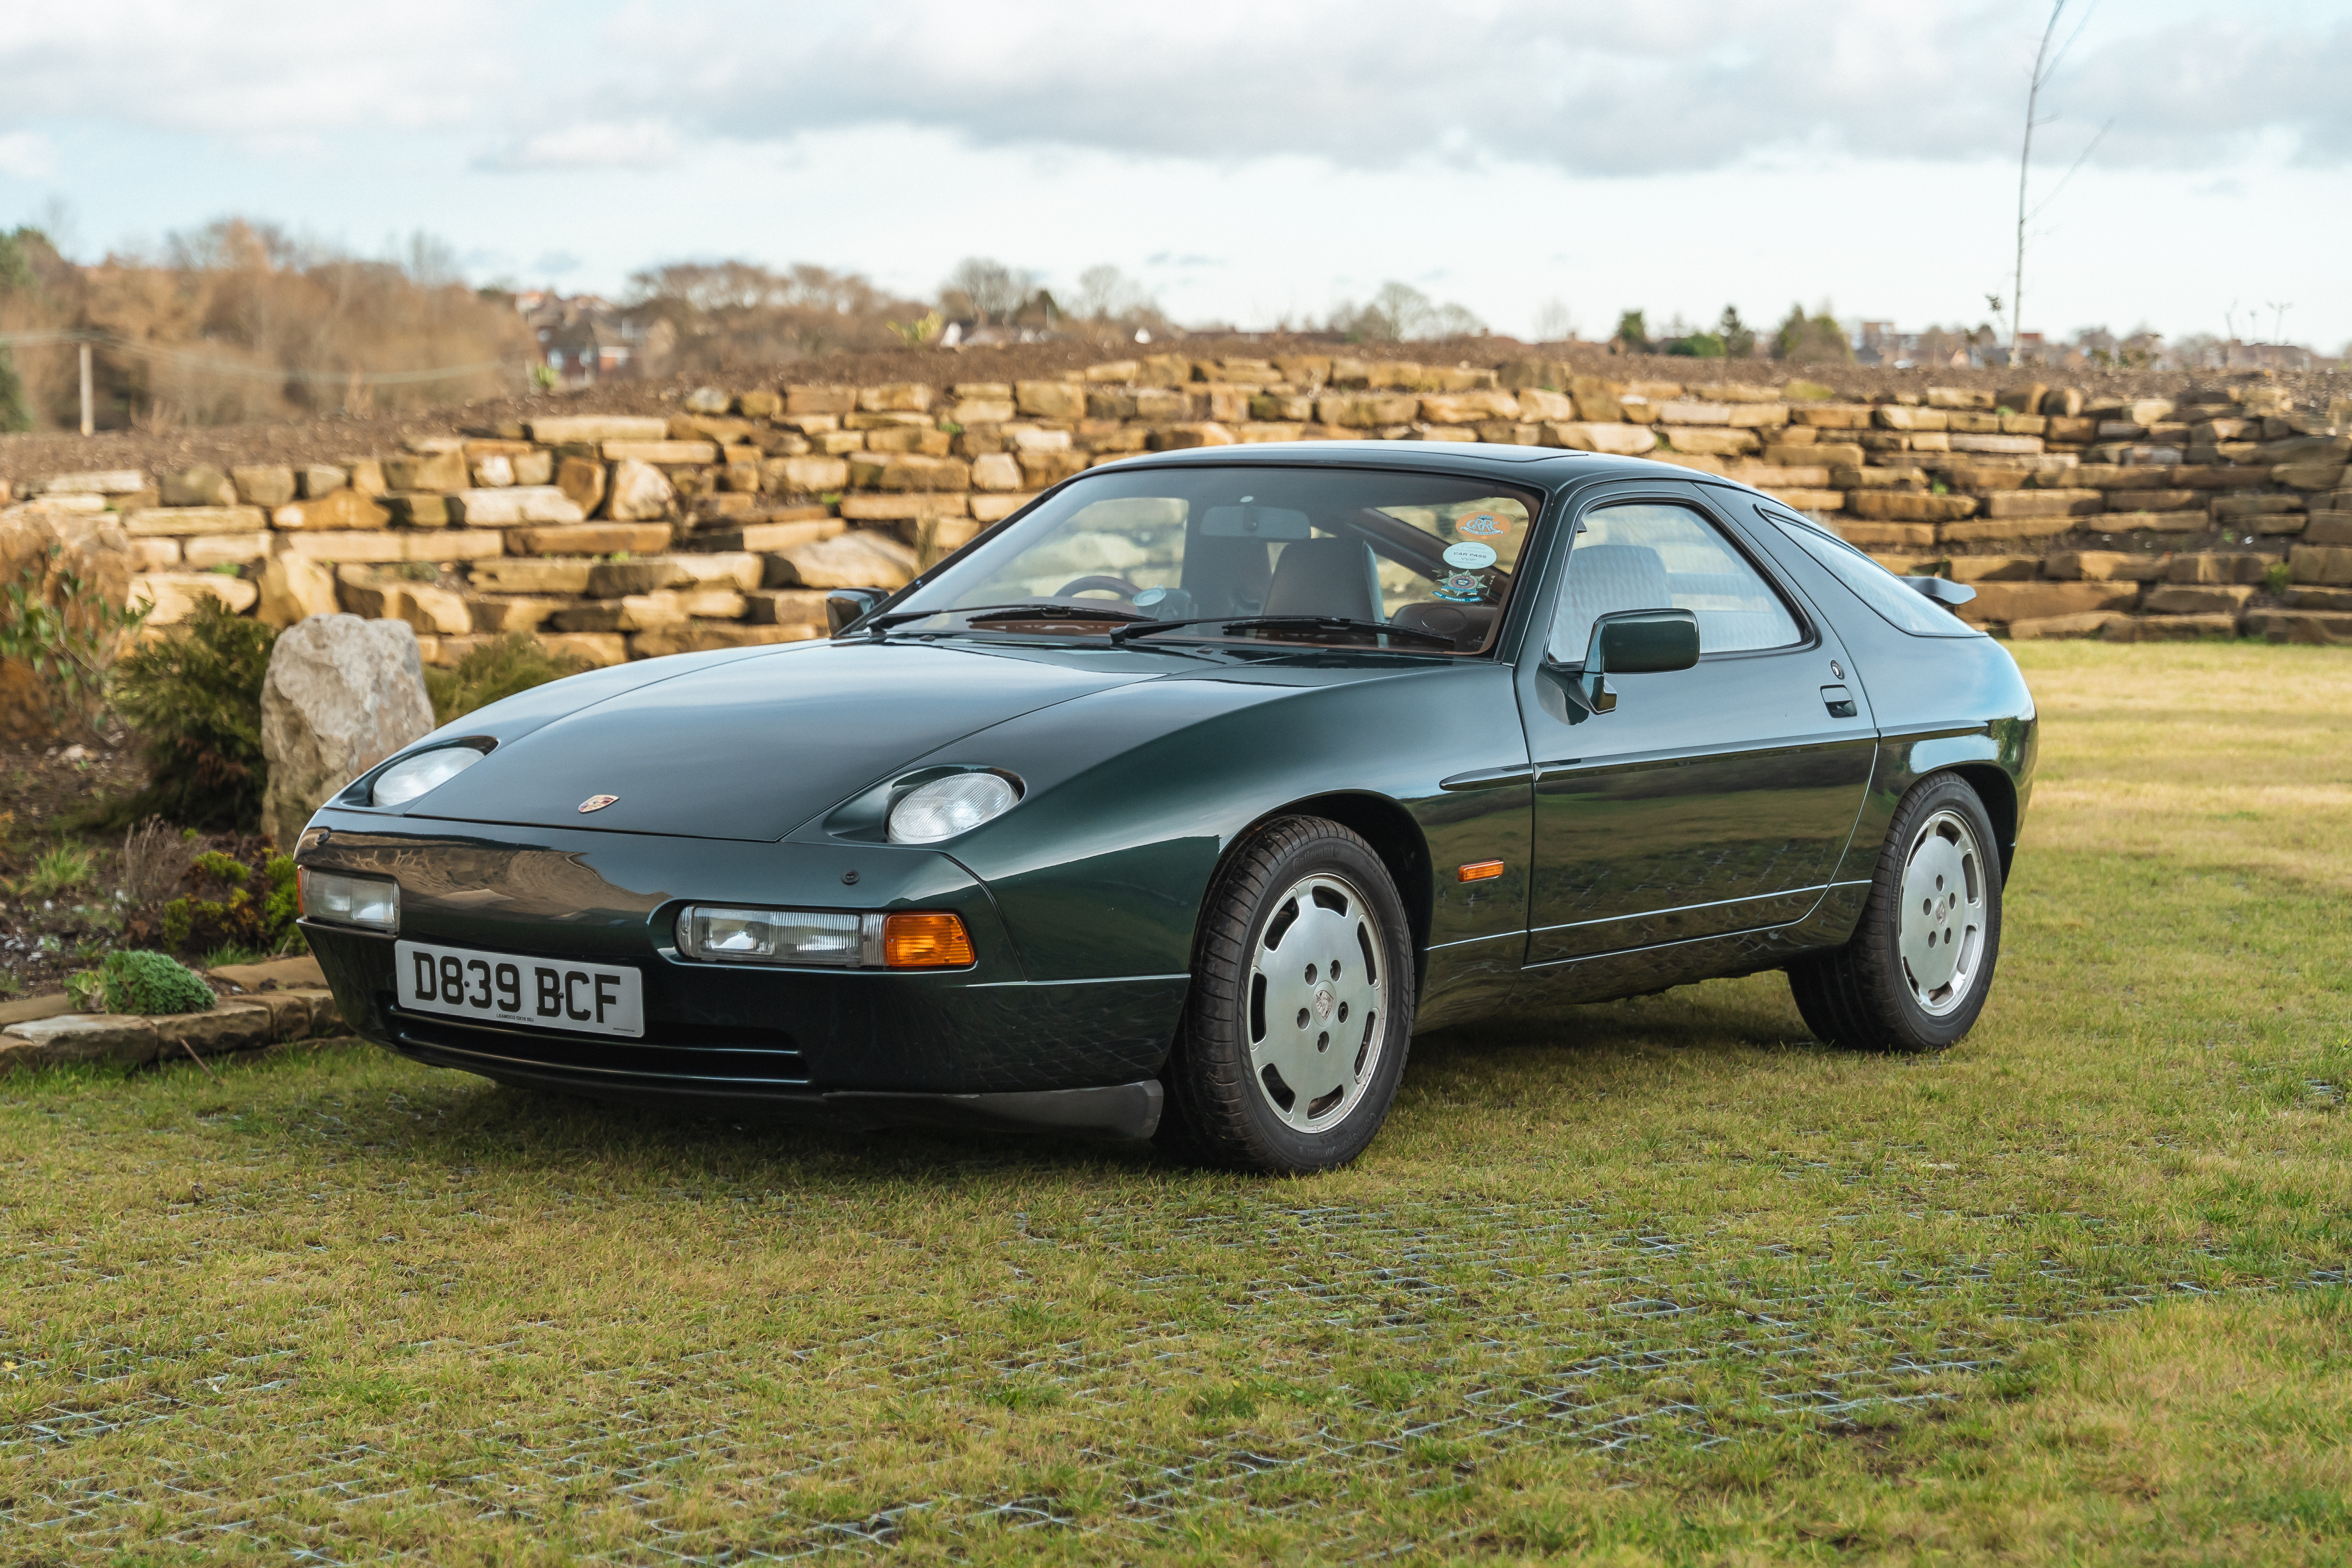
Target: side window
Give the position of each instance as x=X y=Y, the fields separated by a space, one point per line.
x=1651 y=556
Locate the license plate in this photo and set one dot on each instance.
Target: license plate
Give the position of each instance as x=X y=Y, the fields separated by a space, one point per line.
x=500 y=988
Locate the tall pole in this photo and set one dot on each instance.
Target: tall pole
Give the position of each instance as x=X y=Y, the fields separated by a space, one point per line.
x=85 y=387
x=2024 y=158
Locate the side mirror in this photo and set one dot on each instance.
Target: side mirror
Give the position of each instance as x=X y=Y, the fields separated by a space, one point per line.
x=843 y=608
x=1942 y=590
x=1635 y=642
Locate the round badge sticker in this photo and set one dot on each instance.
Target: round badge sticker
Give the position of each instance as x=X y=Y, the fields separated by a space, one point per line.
x=1462 y=587
x=1481 y=525
x=1470 y=556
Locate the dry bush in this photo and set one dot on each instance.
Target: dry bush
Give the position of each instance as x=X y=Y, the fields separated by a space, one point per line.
x=155 y=857
x=736 y=316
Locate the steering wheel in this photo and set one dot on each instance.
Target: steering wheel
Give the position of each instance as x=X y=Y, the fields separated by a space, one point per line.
x=1119 y=585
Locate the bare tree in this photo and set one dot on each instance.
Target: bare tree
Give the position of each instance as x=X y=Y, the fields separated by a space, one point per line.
x=2045 y=66
x=988 y=285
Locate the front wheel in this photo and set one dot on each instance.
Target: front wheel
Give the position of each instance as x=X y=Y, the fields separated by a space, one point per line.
x=1919 y=966
x=1295 y=1031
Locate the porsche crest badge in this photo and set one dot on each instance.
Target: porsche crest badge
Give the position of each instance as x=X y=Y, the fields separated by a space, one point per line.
x=598 y=803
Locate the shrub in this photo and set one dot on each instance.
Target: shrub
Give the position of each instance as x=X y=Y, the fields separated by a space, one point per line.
x=67 y=632
x=61 y=870
x=140 y=982
x=194 y=697
x=155 y=855
x=224 y=912
x=498 y=669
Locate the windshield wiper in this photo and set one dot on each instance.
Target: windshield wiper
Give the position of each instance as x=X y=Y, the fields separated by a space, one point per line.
x=1304 y=623
x=1021 y=611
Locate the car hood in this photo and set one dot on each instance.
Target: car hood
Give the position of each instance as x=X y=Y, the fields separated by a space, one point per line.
x=750 y=747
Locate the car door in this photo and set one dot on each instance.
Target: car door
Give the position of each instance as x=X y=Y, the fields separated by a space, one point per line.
x=1710 y=800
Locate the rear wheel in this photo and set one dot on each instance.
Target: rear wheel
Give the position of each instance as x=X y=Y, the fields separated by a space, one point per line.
x=1920 y=965
x=1295 y=1032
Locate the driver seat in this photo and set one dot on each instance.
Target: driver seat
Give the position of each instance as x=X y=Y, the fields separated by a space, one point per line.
x=1338 y=577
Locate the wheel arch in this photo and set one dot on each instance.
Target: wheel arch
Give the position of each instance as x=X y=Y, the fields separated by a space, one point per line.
x=1998 y=793
x=1395 y=837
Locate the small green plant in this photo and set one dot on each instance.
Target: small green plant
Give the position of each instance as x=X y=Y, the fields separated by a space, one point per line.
x=221 y=867
x=222 y=957
x=497 y=669
x=1939 y=488
x=57 y=873
x=920 y=330
x=542 y=376
x=194 y=697
x=85 y=989
x=139 y=981
x=67 y=632
x=418 y=571
x=2277 y=578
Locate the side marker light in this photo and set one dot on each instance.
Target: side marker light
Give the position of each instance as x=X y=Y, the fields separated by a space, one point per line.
x=1479 y=871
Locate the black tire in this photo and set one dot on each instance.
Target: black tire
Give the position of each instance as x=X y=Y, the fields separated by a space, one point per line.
x=1865 y=995
x=1223 y=1107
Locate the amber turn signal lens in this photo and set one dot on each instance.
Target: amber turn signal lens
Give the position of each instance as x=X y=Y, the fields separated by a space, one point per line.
x=1479 y=871
x=925 y=942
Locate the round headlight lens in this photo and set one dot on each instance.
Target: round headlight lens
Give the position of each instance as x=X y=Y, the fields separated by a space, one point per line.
x=412 y=776
x=945 y=807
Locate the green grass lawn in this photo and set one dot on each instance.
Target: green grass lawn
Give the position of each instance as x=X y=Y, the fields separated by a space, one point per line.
x=1665 y=1282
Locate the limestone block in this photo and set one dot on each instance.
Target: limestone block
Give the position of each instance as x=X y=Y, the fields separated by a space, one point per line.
x=922 y=440
x=2325 y=528
x=2319 y=598
x=1873 y=477
x=2085 y=565
x=2232 y=508
x=1174 y=439
x=515 y=504
x=998 y=471
x=702 y=636
x=419 y=508
x=596 y=649
x=668 y=454
x=225 y=549
x=993 y=411
x=109 y=1038
x=1826 y=454
x=341 y=695
x=448 y=545
x=2182 y=599
x=2005 y=529
x=593 y=429
x=493 y=472
x=1039 y=470
x=589 y=539
x=441 y=472
x=1592 y=435
x=1110 y=370
x=1880 y=535
x=1757 y=416
x=1714 y=442
x=2003 y=601
x=900 y=471
x=2321 y=564
x=365 y=475
x=1031 y=438
x=1832 y=416
x=1001 y=391
x=2301 y=625
x=805 y=476
x=2308 y=476
x=333 y=510
x=499 y=613
x=171 y=596
x=901 y=396
x=1444 y=432
x=202 y=485
x=2044 y=504
x=645 y=575
x=1899 y=506
x=98 y=482
x=1050 y=399
x=1808 y=499
x=2155 y=501
x=1258 y=433
x=534 y=468
x=2087 y=624
x=1470 y=407
x=582 y=480
x=1683 y=413
x=639 y=492
x=858 y=559
x=781 y=534
x=1505 y=432
x=996 y=508
x=1995 y=568
x=230 y=1024
x=1898 y=416
x=870 y=422
x=1163 y=370
x=182 y=521
x=1160 y=402
x=786 y=607
x=1979 y=477
x=631 y=613
x=820 y=400
x=897 y=508
x=1995 y=443
x=1362 y=412
x=154 y=555
x=2023 y=425
x=1958 y=398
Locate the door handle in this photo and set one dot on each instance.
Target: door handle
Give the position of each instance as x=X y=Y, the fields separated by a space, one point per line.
x=1839 y=701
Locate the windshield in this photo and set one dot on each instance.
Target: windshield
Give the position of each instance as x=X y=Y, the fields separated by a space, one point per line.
x=1309 y=555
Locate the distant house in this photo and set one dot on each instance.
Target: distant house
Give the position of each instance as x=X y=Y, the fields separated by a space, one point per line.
x=585 y=339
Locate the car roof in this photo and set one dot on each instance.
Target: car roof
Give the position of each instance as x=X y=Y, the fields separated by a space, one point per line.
x=1553 y=467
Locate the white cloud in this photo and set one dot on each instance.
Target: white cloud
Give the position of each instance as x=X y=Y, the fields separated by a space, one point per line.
x=640 y=144
x=27 y=154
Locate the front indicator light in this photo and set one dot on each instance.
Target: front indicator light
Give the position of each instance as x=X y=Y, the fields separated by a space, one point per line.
x=925 y=941
x=822 y=937
x=1479 y=871
x=369 y=901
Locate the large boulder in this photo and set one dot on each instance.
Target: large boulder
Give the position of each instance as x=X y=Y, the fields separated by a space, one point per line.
x=42 y=547
x=341 y=695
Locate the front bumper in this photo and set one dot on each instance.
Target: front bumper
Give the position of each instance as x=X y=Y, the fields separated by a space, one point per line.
x=856 y=1042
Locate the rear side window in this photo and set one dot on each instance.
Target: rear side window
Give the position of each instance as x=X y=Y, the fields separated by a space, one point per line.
x=1896 y=602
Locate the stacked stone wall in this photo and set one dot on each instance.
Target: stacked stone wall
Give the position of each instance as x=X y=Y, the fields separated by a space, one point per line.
x=724 y=523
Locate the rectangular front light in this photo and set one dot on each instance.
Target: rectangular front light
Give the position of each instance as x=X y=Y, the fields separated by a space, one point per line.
x=369 y=901
x=837 y=940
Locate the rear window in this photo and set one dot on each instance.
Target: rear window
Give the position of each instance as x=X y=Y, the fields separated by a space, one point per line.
x=1898 y=602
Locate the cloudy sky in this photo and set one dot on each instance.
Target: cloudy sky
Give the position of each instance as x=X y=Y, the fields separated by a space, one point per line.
x=1251 y=163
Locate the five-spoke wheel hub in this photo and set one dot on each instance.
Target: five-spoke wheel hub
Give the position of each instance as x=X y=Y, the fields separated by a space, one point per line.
x=1942 y=933
x=1316 y=1005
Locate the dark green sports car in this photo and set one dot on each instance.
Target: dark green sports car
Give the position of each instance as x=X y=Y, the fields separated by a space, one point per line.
x=1176 y=804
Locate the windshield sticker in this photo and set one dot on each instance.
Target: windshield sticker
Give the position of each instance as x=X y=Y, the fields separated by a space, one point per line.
x=1462 y=587
x=1150 y=597
x=1481 y=525
x=1470 y=554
